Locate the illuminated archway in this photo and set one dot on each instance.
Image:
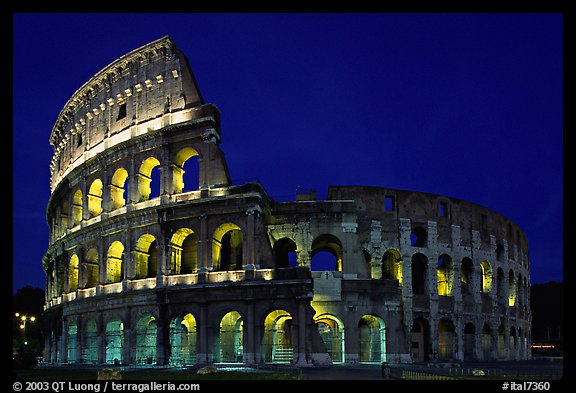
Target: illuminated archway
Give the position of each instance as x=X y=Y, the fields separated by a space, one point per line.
x=185 y=157
x=512 y=289
x=63 y=221
x=392 y=265
x=372 y=339
x=326 y=253
x=77 y=208
x=184 y=251
x=183 y=340
x=445 y=339
x=144 y=177
x=118 y=188
x=331 y=330
x=445 y=275
x=73 y=266
x=277 y=344
x=114 y=341
x=115 y=262
x=486 y=276
x=95 y=198
x=91 y=268
x=146 y=339
x=227 y=247
x=228 y=346
x=146 y=257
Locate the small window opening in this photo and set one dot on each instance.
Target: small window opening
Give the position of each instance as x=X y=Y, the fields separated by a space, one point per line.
x=388 y=203
x=443 y=209
x=121 y=111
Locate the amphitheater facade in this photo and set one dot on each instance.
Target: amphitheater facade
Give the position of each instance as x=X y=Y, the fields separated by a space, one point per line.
x=157 y=258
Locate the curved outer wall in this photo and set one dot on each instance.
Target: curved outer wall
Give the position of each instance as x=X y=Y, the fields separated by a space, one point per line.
x=156 y=258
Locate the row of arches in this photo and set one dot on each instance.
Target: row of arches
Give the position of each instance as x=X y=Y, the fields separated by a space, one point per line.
x=277 y=339
x=123 y=187
x=484 y=343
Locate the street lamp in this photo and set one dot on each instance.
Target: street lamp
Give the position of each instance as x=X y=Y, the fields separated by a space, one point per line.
x=23 y=319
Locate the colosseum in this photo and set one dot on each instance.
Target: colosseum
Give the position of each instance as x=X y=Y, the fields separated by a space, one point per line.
x=156 y=258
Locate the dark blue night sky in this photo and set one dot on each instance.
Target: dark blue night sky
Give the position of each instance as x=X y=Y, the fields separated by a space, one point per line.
x=463 y=105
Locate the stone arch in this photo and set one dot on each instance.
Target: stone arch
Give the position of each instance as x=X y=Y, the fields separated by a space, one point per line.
x=445 y=275
x=95 y=198
x=144 y=178
x=331 y=329
x=72 y=342
x=466 y=275
x=419 y=273
x=486 y=342
x=77 y=207
x=114 y=337
x=486 y=284
x=278 y=340
x=115 y=263
x=284 y=251
x=184 y=251
x=90 y=342
x=91 y=268
x=73 y=267
x=446 y=336
x=469 y=341
x=118 y=188
x=326 y=253
x=146 y=257
x=227 y=247
x=392 y=265
x=371 y=339
x=185 y=156
x=183 y=340
x=229 y=341
x=146 y=332
x=420 y=340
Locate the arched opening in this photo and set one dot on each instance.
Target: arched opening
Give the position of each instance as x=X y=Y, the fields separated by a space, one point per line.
x=184 y=252
x=445 y=339
x=372 y=339
x=145 y=179
x=326 y=253
x=114 y=341
x=229 y=348
x=284 y=250
x=114 y=263
x=467 y=271
x=146 y=257
x=77 y=208
x=73 y=266
x=445 y=275
x=227 y=247
x=183 y=340
x=186 y=157
x=95 y=198
x=419 y=273
x=501 y=342
x=500 y=286
x=146 y=339
x=513 y=343
x=486 y=286
x=90 y=347
x=392 y=265
x=331 y=330
x=64 y=218
x=118 y=188
x=91 y=268
x=511 y=289
x=418 y=236
x=277 y=344
x=420 y=341
x=469 y=341
x=486 y=342
x=72 y=342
